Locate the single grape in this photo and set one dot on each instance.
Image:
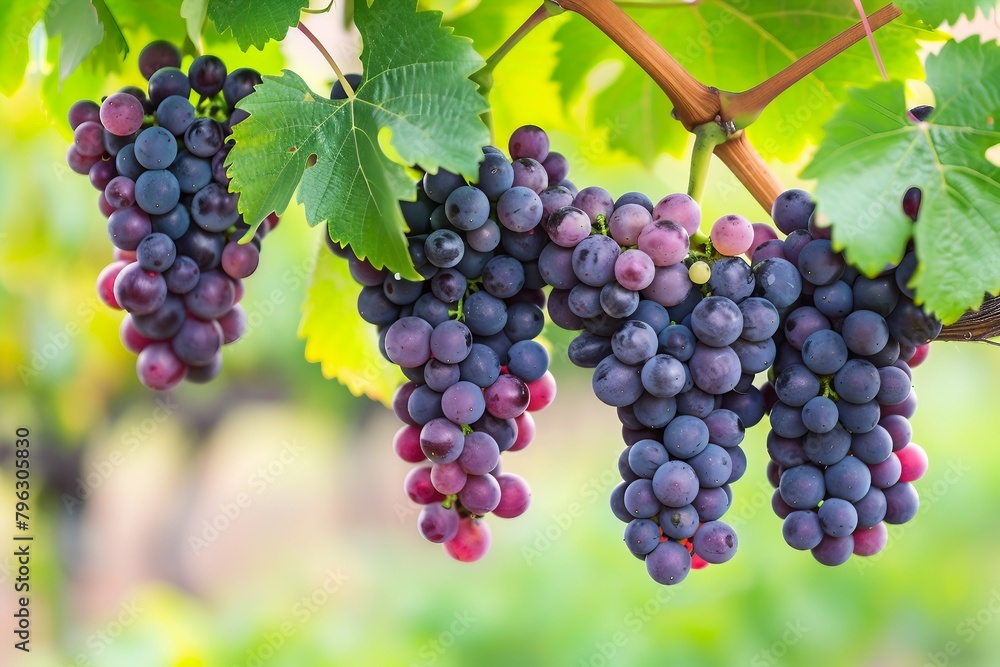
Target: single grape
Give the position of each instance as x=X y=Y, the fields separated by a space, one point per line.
x=207 y=75
x=238 y=84
x=159 y=368
x=732 y=235
x=157 y=55
x=681 y=209
x=467 y=208
x=121 y=114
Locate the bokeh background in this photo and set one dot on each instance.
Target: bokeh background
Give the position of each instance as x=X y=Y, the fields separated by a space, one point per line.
x=317 y=561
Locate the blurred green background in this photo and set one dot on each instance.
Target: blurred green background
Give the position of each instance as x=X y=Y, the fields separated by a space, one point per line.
x=314 y=557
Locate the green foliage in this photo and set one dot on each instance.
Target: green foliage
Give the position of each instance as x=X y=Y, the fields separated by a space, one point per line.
x=734 y=46
x=337 y=338
x=254 y=22
x=194 y=12
x=872 y=154
x=75 y=24
x=936 y=12
x=17 y=19
x=113 y=42
x=411 y=65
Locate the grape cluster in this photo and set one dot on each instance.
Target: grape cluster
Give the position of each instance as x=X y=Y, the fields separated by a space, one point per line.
x=464 y=337
x=841 y=458
x=675 y=338
x=159 y=163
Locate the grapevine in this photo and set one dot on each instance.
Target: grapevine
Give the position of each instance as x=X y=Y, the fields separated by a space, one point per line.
x=462 y=245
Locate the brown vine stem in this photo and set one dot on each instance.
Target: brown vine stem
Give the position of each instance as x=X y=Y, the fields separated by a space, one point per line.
x=752 y=171
x=694 y=103
x=532 y=21
x=976 y=326
x=744 y=108
x=329 y=59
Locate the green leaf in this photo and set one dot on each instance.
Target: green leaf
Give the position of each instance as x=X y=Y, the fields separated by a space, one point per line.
x=113 y=47
x=76 y=24
x=254 y=22
x=415 y=87
x=17 y=19
x=936 y=12
x=194 y=12
x=87 y=30
x=337 y=337
x=733 y=45
x=872 y=154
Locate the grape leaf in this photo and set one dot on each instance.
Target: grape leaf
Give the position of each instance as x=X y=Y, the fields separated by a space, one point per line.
x=336 y=337
x=872 y=154
x=17 y=19
x=75 y=22
x=734 y=45
x=113 y=47
x=415 y=85
x=936 y=12
x=194 y=12
x=254 y=22
x=87 y=31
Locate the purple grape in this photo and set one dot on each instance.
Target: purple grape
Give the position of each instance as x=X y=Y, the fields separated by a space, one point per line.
x=121 y=114
x=83 y=111
x=164 y=322
x=157 y=55
x=212 y=298
x=207 y=75
x=159 y=368
x=239 y=260
x=140 y=292
x=441 y=440
x=438 y=524
x=715 y=542
x=183 y=275
x=206 y=372
x=239 y=83
x=88 y=139
x=156 y=252
x=198 y=341
x=234 y=325
x=669 y=563
x=529 y=141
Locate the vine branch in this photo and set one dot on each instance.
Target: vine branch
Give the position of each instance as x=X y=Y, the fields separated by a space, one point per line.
x=707 y=138
x=329 y=59
x=976 y=326
x=744 y=108
x=694 y=103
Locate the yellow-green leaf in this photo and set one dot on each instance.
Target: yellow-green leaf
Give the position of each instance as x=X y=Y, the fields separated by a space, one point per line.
x=337 y=338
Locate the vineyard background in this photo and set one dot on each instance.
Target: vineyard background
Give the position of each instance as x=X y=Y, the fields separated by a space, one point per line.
x=122 y=583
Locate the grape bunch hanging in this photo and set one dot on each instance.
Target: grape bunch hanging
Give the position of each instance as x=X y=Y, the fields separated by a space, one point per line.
x=159 y=162
x=676 y=326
